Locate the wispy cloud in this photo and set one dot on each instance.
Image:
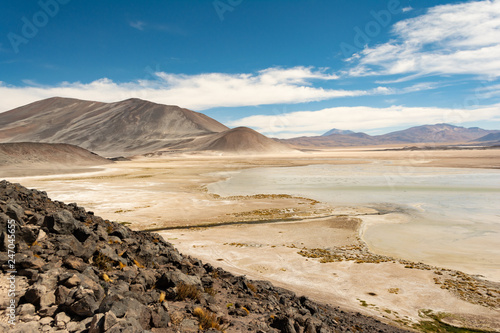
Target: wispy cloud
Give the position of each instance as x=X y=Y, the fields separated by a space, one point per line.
x=488 y=91
x=362 y=118
x=448 y=39
x=148 y=26
x=139 y=25
x=202 y=91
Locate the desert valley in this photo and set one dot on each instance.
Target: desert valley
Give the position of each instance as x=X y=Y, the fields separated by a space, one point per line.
x=401 y=227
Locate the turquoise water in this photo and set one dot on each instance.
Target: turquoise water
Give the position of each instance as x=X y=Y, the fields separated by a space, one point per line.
x=450 y=217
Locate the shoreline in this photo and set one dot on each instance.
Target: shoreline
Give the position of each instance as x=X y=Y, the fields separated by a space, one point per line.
x=243 y=249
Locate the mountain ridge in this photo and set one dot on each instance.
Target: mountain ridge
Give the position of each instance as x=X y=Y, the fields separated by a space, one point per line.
x=137 y=127
x=239 y=140
x=126 y=127
x=438 y=133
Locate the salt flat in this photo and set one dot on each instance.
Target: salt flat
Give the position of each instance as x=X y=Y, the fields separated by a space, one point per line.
x=156 y=193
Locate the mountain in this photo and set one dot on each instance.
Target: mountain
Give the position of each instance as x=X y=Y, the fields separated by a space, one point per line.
x=435 y=133
x=236 y=141
x=18 y=159
x=492 y=137
x=337 y=131
x=240 y=140
x=439 y=133
x=33 y=154
x=128 y=127
x=332 y=140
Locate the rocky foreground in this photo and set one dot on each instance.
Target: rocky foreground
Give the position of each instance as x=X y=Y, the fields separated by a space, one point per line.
x=79 y=273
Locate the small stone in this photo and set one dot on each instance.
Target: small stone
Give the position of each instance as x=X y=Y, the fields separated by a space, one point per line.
x=29 y=327
x=34 y=293
x=74 y=326
x=73 y=281
x=27 y=318
x=26 y=309
x=189 y=325
x=61 y=222
x=47 y=328
x=97 y=323
x=109 y=320
x=46 y=321
x=137 y=288
x=47 y=300
x=85 y=304
x=62 y=319
x=61 y=294
x=48 y=312
x=31 y=263
x=75 y=263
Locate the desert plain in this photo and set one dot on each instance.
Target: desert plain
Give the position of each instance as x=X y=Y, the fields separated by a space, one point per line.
x=311 y=247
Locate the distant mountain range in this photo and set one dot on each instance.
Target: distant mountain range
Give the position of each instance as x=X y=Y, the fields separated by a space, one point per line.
x=135 y=126
x=126 y=128
x=439 y=133
x=492 y=137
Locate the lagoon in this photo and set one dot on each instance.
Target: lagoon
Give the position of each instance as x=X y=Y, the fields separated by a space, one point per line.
x=447 y=217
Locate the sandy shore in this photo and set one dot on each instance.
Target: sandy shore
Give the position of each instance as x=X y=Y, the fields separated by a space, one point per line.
x=389 y=290
x=167 y=192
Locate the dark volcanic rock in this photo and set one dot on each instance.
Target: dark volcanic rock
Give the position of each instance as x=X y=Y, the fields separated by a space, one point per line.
x=92 y=275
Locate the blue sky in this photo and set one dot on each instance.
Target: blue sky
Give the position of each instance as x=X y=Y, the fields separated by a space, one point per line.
x=286 y=68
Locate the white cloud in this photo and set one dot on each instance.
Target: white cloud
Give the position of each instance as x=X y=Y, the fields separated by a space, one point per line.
x=139 y=25
x=203 y=91
x=199 y=92
x=449 y=39
x=362 y=118
x=488 y=91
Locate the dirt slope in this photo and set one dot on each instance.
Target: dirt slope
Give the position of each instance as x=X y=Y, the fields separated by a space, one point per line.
x=32 y=154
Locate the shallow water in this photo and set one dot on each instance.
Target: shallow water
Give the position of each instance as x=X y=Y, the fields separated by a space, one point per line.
x=451 y=216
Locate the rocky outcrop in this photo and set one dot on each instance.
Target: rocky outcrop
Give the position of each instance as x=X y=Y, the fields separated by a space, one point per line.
x=86 y=274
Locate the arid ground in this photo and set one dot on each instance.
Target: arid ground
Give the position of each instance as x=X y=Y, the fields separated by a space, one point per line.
x=295 y=242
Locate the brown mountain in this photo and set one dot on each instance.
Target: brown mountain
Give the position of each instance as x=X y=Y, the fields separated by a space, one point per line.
x=435 y=133
x=31 y=154
x=439 y=133
x=236 y=141
x=240 y=140
x=128 y=127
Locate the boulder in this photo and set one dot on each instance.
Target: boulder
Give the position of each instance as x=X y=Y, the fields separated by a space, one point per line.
x=61 y=222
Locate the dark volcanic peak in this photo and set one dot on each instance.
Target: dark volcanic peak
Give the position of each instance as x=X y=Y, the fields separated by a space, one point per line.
x=80 y=273
x=124 y=128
